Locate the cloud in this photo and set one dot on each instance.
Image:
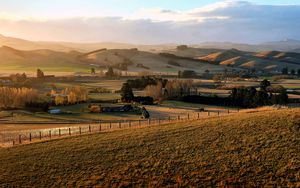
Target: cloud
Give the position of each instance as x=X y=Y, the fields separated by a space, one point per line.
x=234 y=21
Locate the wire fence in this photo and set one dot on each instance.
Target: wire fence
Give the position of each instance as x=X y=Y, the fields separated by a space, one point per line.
x=13 y=138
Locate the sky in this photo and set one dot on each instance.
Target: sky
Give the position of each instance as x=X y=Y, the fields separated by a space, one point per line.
x=151 y=21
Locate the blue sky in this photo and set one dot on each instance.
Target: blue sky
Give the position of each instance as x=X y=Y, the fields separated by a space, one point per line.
x=151 y=21
x=69 y=8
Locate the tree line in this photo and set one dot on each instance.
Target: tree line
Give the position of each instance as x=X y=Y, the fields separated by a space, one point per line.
x=11 y=97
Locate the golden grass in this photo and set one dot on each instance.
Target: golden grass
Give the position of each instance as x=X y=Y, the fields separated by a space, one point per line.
x=252 y=149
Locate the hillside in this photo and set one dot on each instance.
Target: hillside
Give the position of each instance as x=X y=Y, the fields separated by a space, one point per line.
x=223 y=55
x=265 y=60
x=22 y=44
x=192 y=52
x=287 y=45
x=139 y=61
x=54 y=62
x=12 y=60
x=253 y=149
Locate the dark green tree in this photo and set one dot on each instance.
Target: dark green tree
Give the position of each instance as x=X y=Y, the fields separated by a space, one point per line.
x=110 y=72
x=40 y=73
x=293 y=72
x=126 y=93
x=285 y=71
x=93 y=71
x=264 y=84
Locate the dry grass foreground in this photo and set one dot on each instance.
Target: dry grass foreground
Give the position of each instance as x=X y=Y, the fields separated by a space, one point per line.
x=251 y=149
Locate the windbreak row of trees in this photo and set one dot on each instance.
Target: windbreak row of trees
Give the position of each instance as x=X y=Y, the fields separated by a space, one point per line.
x=70 y=95
x=247 y=97
x=17 y=97
x=266 y=95
x=171 y=90
x=144 y=81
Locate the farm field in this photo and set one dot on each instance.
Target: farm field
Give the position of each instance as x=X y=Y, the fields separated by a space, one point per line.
x=244 y=149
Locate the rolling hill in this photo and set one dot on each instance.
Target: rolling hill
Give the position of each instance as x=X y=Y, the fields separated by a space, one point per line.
x=55 y=62
x=69 y=58
x=22 y=44
x=258 y=149
x=265 y=60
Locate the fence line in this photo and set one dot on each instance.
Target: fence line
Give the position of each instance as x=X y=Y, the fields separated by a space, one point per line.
x=12 y=138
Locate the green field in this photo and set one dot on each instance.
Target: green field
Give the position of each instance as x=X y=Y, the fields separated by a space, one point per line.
x=244 y=149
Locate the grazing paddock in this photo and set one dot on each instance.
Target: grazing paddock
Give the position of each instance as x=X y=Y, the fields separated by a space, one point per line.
x=250 y=149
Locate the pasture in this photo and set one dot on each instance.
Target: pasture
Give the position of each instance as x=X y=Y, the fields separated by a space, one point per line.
x=243 y=149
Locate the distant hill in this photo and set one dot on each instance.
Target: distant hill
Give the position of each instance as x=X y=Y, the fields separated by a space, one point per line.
x=139 y=61
x=266 y=60
x=224 y=55
x=284 y=45
x=21 y=44
x=288 y=45
x=22 y=55
x=132 y=60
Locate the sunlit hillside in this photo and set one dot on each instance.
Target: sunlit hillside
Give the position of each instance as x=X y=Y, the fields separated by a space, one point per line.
x=238 y=150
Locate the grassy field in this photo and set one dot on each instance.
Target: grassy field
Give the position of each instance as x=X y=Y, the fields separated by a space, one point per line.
x=252 y=149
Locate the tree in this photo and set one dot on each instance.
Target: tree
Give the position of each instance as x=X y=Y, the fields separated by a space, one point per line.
x=188 y=74
x=264 y=84
x=278 y=95
x=59 y=100
x=72 y=98
x=110 y=72
x=182 y=47
x=93 y=71
x=155 y=91
x=179 y=74
x=293 y=72
x=11 y=97
x=40 y=73
x=285 y=71
x=126 y=93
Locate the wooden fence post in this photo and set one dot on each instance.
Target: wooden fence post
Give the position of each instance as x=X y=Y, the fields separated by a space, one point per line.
x=178 y=118
x=109 y=125
x=13 y=143
x=59 y=132
x=198 y=116
x=90 y=130
x=50 y=134
x=30 y=137
x=79 y=130
x=129 y=123
x=70 y=131
x=139 y=122
x=188 y=116
x=218 y=112
x=169 y=118
x=228 y=111
x=40 y=135
x=120 y=125
x=20 y=139
x=100 y=127
x=208 y=113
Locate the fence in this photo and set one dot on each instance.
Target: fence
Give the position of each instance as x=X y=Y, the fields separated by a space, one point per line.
x=12 y=138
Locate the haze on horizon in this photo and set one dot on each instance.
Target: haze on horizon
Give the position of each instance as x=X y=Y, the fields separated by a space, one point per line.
x=151 y=22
